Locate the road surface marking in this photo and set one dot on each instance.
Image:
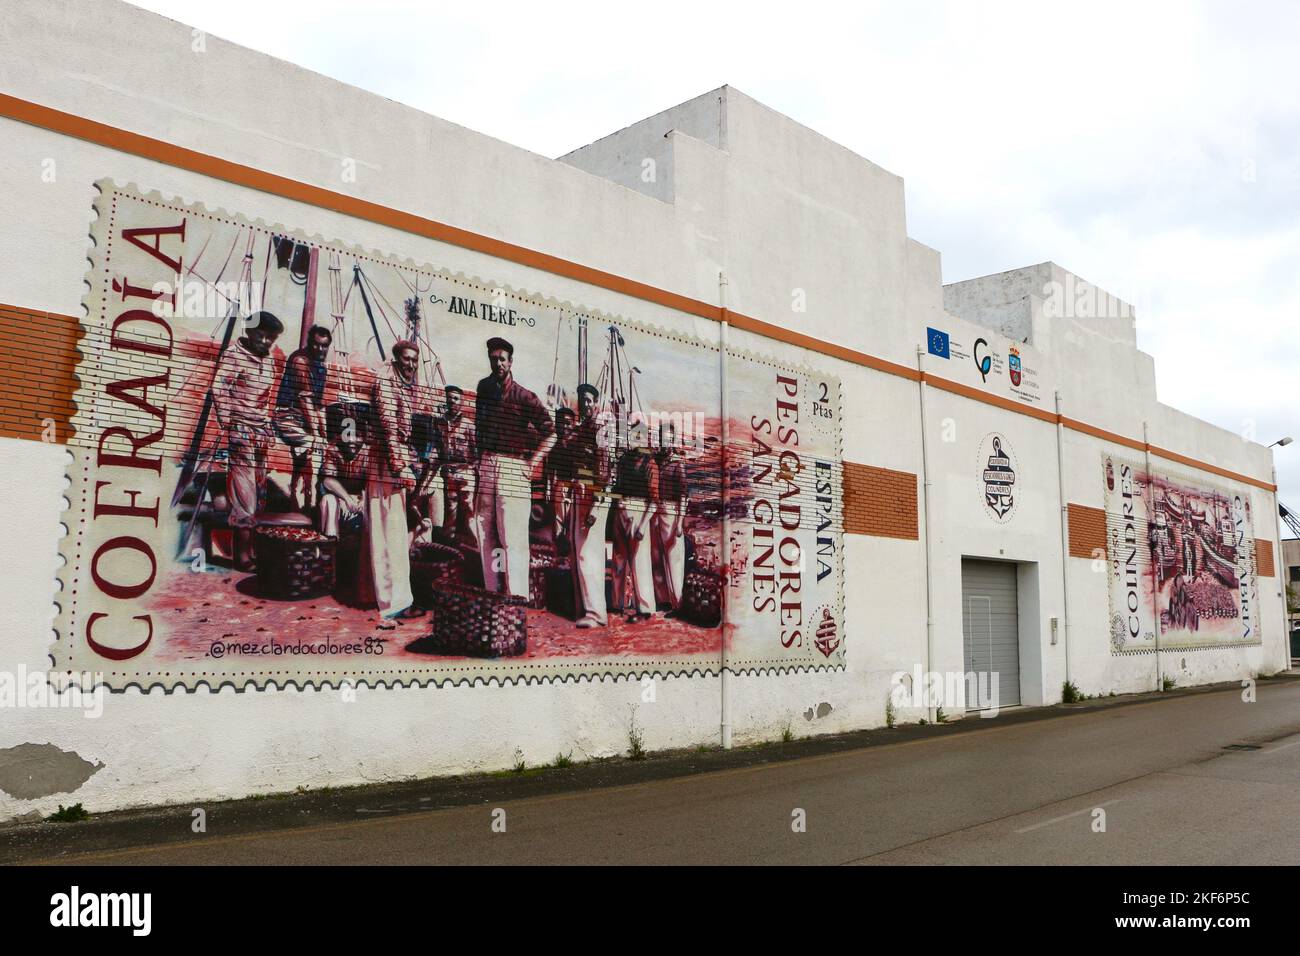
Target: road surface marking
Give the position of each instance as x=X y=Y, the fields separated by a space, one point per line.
x=1067 y=816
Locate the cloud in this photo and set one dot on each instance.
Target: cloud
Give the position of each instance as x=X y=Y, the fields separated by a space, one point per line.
x=1152 y=148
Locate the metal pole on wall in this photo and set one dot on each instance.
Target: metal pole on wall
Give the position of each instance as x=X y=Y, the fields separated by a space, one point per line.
x=309 y=298
x=724 y=549
x=1155 y=586
x=1280 y=569
x=929 y=553
x=1065 y=537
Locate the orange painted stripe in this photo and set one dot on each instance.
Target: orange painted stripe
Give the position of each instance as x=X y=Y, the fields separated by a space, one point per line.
x=111 y=137
x=1095 y=432
x=1086 y=429
x=127 y=142
x=1213 y=469
x=800 y=340
x=1011 y=405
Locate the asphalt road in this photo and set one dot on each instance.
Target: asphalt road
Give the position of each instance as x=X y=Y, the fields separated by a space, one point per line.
x=1016 y=792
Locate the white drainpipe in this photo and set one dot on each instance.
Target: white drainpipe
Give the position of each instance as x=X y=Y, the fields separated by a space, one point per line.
x=1155 y=595
x=1280 y=569
x=1065 y=537
x=725 y=549
x=929 y=552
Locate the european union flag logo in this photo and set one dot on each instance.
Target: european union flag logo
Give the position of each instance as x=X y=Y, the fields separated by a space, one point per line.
x=937 y=342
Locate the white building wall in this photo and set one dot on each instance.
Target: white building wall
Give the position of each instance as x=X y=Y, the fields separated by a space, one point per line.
x=811 y=237
x=641 y=156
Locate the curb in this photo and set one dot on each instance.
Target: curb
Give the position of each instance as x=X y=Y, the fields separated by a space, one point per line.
x=48 y=841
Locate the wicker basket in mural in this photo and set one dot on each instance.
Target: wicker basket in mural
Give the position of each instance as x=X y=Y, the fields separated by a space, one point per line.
x=702 y=598
x=477 y=623
x=433 y=567
x=294 y=563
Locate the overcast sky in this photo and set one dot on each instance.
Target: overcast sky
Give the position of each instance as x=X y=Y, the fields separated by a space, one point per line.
x=1151 y=148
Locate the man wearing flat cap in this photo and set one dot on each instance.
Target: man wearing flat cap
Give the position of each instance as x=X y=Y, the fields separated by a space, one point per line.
x=515 y=433
x=558 y=474
x=668 y=521
x=453 y=443
x=241 y=396
x=636 y=488
x=591 y=463
x=395 y=467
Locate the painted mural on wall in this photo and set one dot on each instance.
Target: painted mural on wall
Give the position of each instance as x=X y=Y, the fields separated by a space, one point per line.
x=1180 y=557
x=295 y=461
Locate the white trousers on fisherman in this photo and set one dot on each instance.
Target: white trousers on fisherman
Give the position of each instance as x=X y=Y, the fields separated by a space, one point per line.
x=437 y=502
x=669 y=558
x=387 y=539
x=631 y=554
x=587 y=541
x=245 y=476
x=503 y=501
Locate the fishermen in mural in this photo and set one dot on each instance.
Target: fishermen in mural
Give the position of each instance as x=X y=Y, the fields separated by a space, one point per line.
x=515 y=433
x=454 y=445
x=558 y=475
x=424 y=503
x=589 y=509
x=343 y=476
x=667 y=523
x=300 y=412
x=336 y=447
x=636 y=487
x=241 y=398
x=395 y=399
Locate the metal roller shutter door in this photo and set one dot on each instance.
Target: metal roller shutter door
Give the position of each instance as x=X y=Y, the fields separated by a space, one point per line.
x=990 y=620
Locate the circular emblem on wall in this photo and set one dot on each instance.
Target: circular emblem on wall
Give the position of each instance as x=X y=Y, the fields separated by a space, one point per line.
x=997 y=484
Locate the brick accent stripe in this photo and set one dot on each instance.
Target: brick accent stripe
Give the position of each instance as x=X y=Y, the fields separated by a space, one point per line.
x=38 y=357
x=1264 y=566
x=1087 y=530
x=880 y=502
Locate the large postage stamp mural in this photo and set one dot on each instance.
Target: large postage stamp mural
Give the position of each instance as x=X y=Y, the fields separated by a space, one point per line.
x=297 y=461
x=1180 y=559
